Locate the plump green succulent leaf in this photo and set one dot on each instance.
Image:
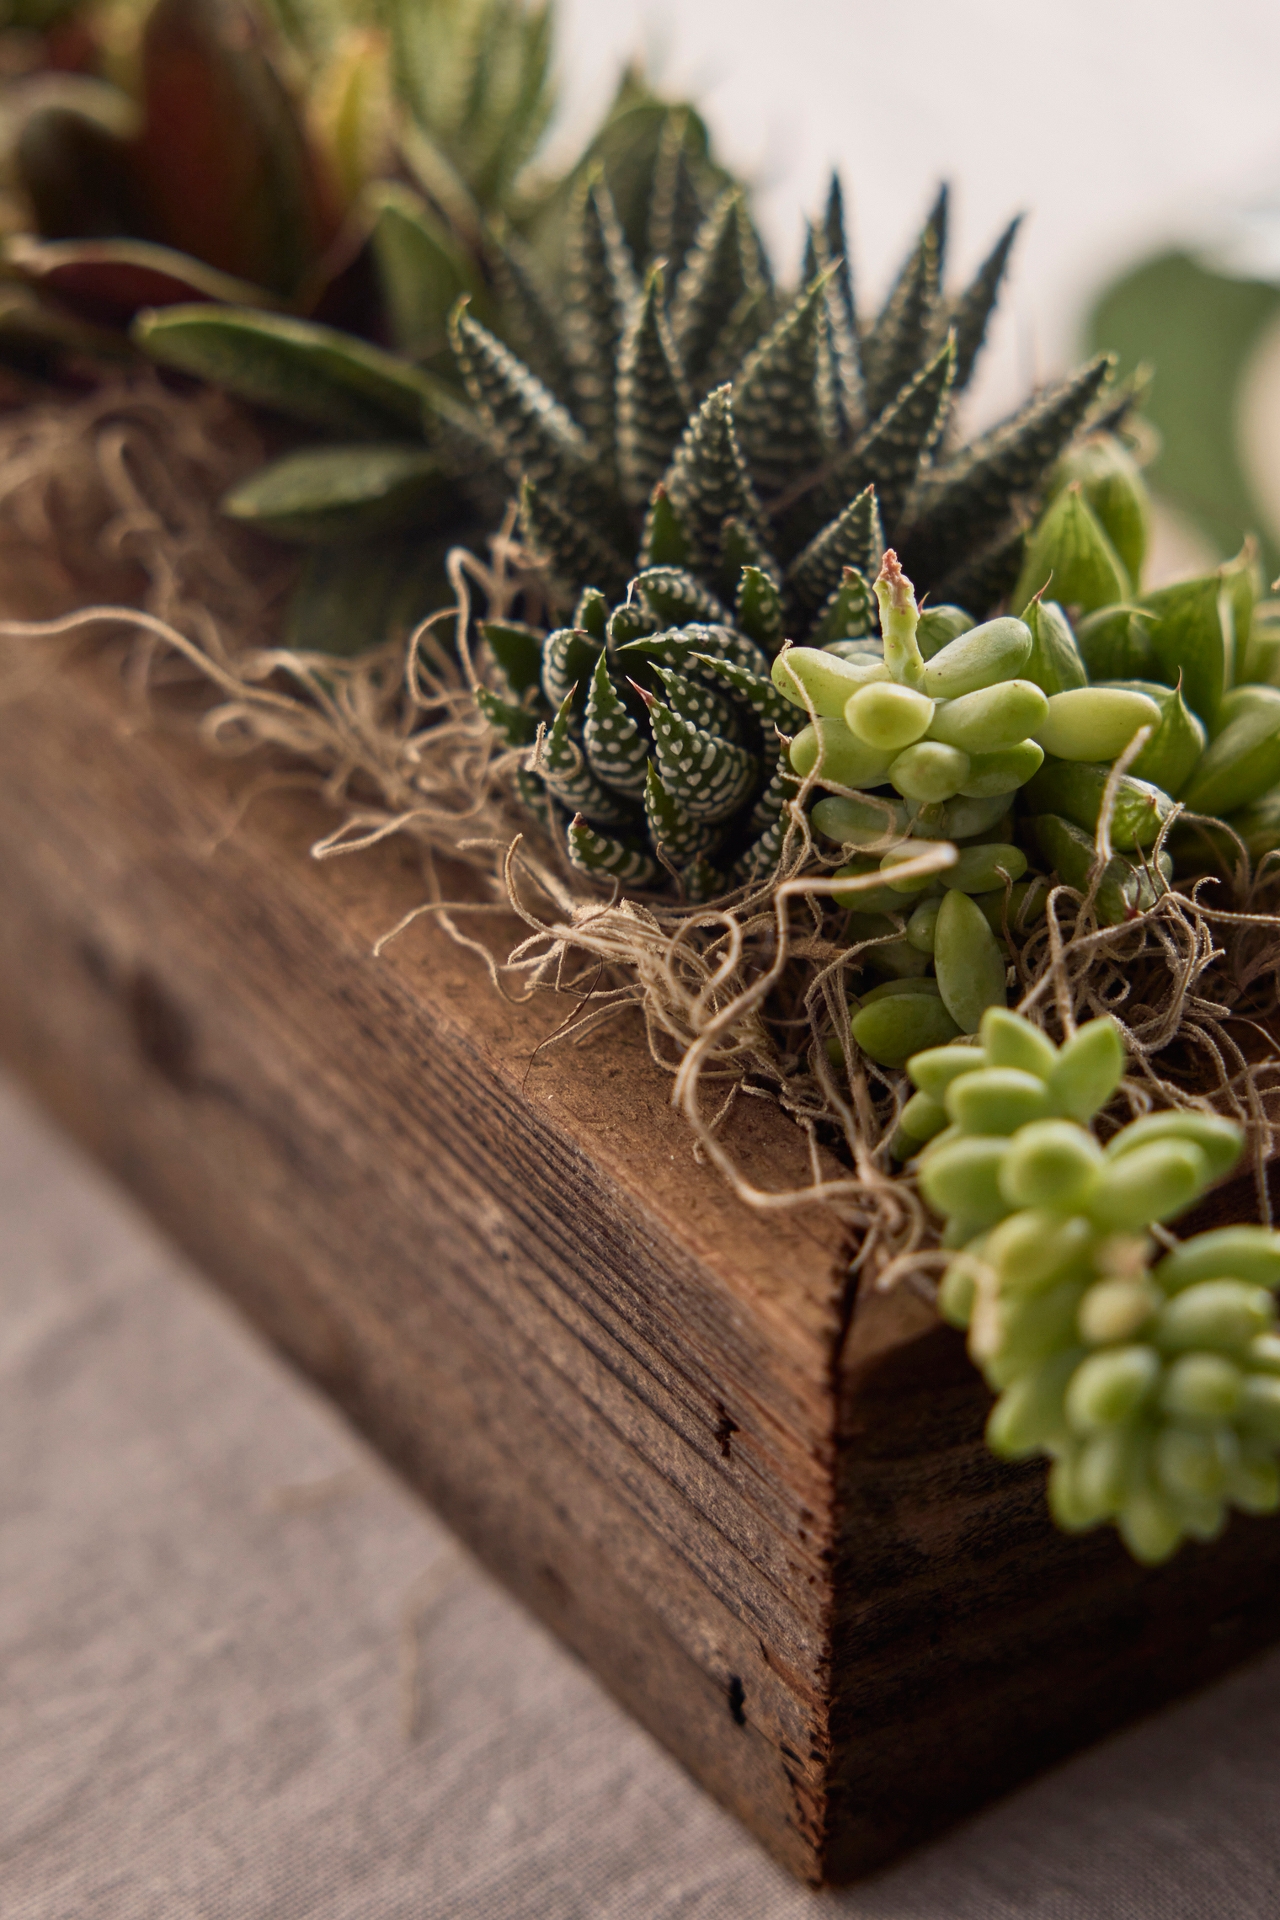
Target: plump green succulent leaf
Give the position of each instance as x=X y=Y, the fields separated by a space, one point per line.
x=325 y=493
x=896 y=345
x=855 y=539
x=1069 y=550
x=1189 y=637
x=312 y=373
x=1055 y=664
x=653 y=396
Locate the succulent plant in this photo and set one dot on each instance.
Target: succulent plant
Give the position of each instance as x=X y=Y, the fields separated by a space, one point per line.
x=754 y=450
x=1151 y=1379
x=1203 y=652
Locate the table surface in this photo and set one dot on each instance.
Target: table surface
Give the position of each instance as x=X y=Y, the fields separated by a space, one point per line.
x=247 y=1674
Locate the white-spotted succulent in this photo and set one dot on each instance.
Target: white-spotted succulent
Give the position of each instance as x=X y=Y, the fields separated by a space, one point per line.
x=1150 y=1378
x=707 y=468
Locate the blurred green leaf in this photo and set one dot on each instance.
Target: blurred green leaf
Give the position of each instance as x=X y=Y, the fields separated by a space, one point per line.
x=352 y=598
x=325 y=493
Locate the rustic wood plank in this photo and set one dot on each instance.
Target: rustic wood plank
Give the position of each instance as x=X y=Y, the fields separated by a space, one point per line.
x=777 y=1537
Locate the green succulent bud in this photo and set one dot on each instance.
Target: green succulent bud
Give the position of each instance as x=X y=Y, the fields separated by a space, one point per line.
x=1030 y=1414
x=843 y=759
x=1203 y=1387
x=963 y=1177
x=1242 y=762
x=1218 y=1139
x=1251 y=1253
x=859 y=823
x=934 y=1069
x=1055 y=664
x=1116 y=1310
x=1110 y=481
x=899 y=618
x=1150 y=1182
x=991 y=718
x=1070 y=548
x=1088 y=1069
x=1095 y=723
x=1075 y=790
x=1108 y=1389
x=1221 y=1314
x=938 y=626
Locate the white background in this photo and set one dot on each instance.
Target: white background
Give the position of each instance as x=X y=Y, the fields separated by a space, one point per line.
x=1118 y=124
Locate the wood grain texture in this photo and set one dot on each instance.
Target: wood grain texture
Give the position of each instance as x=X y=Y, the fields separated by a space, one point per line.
x=765 y=1517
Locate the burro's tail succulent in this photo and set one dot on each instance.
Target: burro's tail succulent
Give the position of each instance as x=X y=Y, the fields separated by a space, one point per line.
x=1149 y=1377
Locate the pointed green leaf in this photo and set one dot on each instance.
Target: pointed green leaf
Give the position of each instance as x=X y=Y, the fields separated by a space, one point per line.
x=343 y=493
x=758 y=610
x=1055 y=665
x=592 y=614
x=854 y=539
x=422 y=271
x=675 y=208
x=653 y=396
x=665 y=542
x=616 y=749
x=721 y=272
x=677 y=836
x=1189 y=636
x=988 y=580
x=567 y=665
x=775 y=399
x=570 y=548
x=897 y=343
x=847 y=614
x=601 y=291
x=707 y=482
x=525 y=315
x=783 y=786
x=628 y=622
x=709 y=777
x=312 y=373
x=700 y=882
x=701 y=704
x=538 y=438
x=602 y=857
x=749 y=689
x=516 y=726
x=1171 y=755
x=563 y=766
x=1069 y=548
x=517 y=650
x=742 y=548
x=890 y=454
x=971 y=313
x=967 y=503
x=1115 y=643
x=675 y=596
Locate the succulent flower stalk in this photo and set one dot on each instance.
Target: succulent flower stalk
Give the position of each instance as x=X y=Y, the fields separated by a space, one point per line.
x=1150 y=1379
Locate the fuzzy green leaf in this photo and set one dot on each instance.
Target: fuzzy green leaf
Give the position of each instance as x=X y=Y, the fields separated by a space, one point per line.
x=700 y=703
x=722 y=271
x=677 y=836
x=653 y=396
x=561 y=761
x=894 y=448
x=753 y=690
x=665 y=542
x=676 y=211
x=539 y=440
x=568 y=662
x=516 y=726
x=675 y=596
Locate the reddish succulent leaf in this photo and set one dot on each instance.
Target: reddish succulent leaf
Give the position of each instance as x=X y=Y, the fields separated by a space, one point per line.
x=109 y=281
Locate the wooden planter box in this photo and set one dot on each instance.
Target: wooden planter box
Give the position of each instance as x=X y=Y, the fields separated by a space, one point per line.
x=761 y=1510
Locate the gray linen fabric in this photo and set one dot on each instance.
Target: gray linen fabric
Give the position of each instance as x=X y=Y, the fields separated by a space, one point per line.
x=243 y=1673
